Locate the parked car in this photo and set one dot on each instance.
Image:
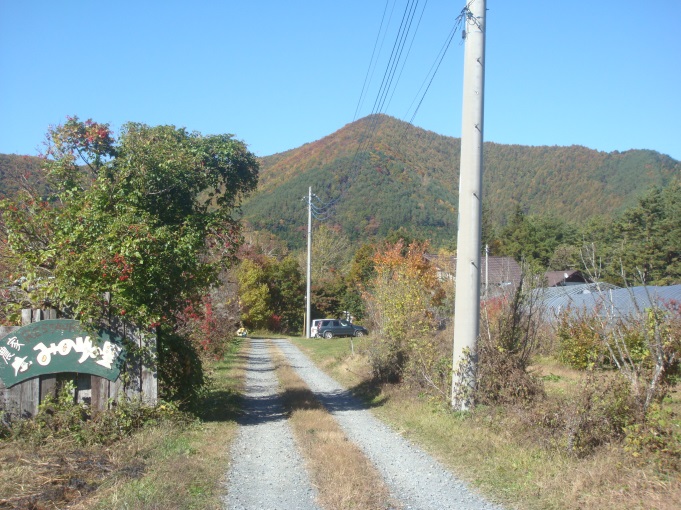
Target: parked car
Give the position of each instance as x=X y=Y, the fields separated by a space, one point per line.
x=328 y=328
x=315 y=326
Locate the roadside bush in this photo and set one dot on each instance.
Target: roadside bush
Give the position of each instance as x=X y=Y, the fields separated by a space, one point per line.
x=399 y=304
x=598 y=413
x=595 y=413
x=429 y=366
x=63 y=418
x=580 y=345
x=644 y=346
x=510 y=334
x=180 y=371
x=659 y=435
x=387 y=358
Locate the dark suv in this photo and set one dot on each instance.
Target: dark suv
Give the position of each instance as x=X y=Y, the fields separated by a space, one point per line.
x=329 y=328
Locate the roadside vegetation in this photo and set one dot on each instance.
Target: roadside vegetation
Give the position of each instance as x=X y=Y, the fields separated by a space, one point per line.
x=127 y=457
x=546 y=433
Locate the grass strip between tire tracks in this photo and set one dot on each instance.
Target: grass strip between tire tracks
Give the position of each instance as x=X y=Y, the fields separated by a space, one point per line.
x=343 y=475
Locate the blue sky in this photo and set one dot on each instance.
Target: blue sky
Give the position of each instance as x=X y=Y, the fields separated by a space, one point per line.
x=277 y=74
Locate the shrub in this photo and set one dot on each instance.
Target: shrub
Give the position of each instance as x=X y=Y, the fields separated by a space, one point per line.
x=659 y=434
x=402 y=294
x=580 y=345
x=61 y=417
x=180 y=371
x=510 y=326
x=429 y=366
x=599 y=413
x=644 y=346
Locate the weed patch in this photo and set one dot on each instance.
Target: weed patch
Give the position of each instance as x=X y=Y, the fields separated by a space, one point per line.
x=520 y=454
x=344 y=477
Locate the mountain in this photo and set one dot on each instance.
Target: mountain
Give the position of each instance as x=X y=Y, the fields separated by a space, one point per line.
x=16 y=169
x=381 y=174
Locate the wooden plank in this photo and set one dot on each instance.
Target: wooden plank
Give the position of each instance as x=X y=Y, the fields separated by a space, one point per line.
x=26 y=316
x=134 y=389
x=116 y=389
x=12 y=400
x=149 y=381
x=48 y=386
x=6 y=330
x=29 y=397
x=99 y=393
x=27 y=393
x=84 y=389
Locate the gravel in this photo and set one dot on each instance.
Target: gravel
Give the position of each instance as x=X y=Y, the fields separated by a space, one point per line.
x=267 y=471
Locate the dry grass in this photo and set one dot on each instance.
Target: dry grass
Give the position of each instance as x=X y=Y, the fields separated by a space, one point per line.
x=499 y=451
x=33 y=476
x=343 y=475
x=495 y=452
x=160 y=467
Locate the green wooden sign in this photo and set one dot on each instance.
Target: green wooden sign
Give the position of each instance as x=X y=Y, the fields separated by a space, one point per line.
x=54 y=346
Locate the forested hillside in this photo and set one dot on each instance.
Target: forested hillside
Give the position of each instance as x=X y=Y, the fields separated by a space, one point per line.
x=16 y=169
x=384 y=174
x=398 y=175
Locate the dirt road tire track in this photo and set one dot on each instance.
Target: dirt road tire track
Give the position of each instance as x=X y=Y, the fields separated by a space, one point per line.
x=267 y=471
x=414 y=477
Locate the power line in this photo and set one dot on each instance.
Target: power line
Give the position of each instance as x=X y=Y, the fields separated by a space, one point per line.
x=463 y=15
x=371 y=61
x=388 y=86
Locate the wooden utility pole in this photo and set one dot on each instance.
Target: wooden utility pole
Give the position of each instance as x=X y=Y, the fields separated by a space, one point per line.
x=467 y=299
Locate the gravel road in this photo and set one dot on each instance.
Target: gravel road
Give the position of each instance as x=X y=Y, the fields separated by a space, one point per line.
x=267 y=471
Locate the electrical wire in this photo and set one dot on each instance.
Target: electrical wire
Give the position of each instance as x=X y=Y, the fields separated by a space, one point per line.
x=324 y=210
x=371 y=61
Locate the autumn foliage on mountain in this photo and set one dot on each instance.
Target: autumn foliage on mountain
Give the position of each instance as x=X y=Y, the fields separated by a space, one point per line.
x=384 y=174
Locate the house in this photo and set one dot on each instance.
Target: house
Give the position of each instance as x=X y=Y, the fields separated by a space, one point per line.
x=564 y=278
x=494 y=271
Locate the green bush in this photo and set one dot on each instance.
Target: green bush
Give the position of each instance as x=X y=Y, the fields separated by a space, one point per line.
x=182 y=378
x=63 y=418
x=659 y=434
x=580 y=344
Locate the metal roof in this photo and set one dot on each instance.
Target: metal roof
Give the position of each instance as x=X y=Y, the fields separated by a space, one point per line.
x=603 y=298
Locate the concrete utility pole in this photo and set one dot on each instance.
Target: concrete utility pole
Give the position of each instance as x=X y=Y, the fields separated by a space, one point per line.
x=467 y=299
x=309 y=258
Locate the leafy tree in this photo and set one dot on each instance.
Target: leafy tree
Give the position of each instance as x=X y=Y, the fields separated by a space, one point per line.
x=136 y=226
x=132 y=217
x=287 y=290
x=271 y=293
x=362 y=267
x=400 y=304
x=535 y=238
x=327 y=296
x=331 y=251
x=254 y=295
